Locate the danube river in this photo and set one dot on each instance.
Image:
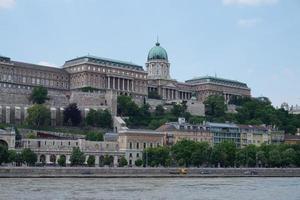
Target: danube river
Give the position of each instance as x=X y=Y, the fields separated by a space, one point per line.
x=150 y=188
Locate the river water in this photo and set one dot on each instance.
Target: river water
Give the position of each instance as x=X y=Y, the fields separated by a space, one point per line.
x=148 y=188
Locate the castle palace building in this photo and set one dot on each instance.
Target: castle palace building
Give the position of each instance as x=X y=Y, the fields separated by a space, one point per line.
x=160 y=82
x=94 y=82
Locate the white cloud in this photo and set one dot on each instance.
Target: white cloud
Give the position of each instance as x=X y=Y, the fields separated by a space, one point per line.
x=7 y=3
x=45 y=63
x=249 y=2
x=248 y=23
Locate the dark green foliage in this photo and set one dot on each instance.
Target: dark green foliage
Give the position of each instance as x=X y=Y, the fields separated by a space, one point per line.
x=3 y=154
x=100 y=118
x=138 y=162
x=89 y=89
x=77 y=157
x=223 y=154
x=158 y=156
x=39 y=95
x=123 y=162
x=38 y=116
x=29 y=157
x=179 y=110
x=153 y=95
x=108 y=160
x=159 y=110
x=12 y=154
x=72 y=115
x=62 y=161
x=91 y=161
x=215 y=107
x=94 y=136
x=247 y=156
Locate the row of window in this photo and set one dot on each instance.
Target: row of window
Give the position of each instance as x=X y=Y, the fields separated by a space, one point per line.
x=98 y=69
x=142 y=145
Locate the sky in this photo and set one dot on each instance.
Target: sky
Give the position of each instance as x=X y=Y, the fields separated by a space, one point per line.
x=253 y=41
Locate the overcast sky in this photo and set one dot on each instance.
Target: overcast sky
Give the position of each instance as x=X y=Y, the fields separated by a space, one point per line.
x=253 y=41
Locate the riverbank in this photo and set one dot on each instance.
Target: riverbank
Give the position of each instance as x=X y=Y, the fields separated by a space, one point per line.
x=98 y=172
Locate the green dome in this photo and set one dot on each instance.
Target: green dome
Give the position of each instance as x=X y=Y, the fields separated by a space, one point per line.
x=157 y=52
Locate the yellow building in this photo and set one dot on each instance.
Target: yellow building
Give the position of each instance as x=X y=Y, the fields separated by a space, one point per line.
x=134 y=141
x=176 y=131
x=256 y=135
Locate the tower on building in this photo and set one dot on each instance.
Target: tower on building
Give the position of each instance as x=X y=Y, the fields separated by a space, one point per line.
x=158 y=66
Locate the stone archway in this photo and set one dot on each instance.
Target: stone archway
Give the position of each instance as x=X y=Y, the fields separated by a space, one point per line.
x=43 y=159
x=101 y=161
x=4 y=143
x=53 y=159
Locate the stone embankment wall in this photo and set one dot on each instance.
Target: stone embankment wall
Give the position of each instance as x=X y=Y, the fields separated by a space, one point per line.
x=145 y=172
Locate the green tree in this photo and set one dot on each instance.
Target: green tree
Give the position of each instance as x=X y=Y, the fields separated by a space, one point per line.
x=179 y=109
x=38 y=115
x=39 y=95
x=12 y=154
x=72 y=115
x=138 y=162
x=261 y=158
x=29 y=157
x=289 y=157
x=77 y=157
x=91 y=161
x=123 y=162
x=108 y=160
x=158 y=156
x=223 y=154
x=159 y=110
x=19 y=159
x=153 y=95
x=215 y=107
x=126 y=106
x=62 y=161
x=94 y=136
x=247 y=156
x=201 y=154
x=3 y=154
x=274 y=158
x=183 y=150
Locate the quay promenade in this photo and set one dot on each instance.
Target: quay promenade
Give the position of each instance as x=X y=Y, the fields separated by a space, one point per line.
x=104 y=172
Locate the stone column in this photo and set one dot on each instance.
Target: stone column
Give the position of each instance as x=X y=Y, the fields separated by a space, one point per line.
x=47 y=158
x=68 y=159
x=114 y=83
x=53 y=116
x=97 y=161
x=132 y=85
x=116 y=161
x=1 y=116
x=123 y=88
x=7 y=115
x=17 y=115
x=128 y=85
x=108 y=82
x=117 y=83
x=25 y=113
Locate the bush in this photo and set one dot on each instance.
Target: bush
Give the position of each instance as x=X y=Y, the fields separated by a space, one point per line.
x=91 y=161
x=77 y=157
x=72 y=115
x=94 y=136
x=29 y=157
x=123 y=162
x=62 y=161
x=138 y=162
x=38 y=115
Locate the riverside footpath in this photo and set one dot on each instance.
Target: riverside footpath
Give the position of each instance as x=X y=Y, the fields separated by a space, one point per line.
x=102 y=172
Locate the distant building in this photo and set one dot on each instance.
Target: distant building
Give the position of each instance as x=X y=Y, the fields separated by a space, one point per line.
x=277 y=136
x=224 y=132
x=133 y=142
x=292 y=139
x=209 y=85
x=176 y=131
x=256 y=135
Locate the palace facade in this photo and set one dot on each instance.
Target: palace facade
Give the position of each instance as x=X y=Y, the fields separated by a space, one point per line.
x=92 y=81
